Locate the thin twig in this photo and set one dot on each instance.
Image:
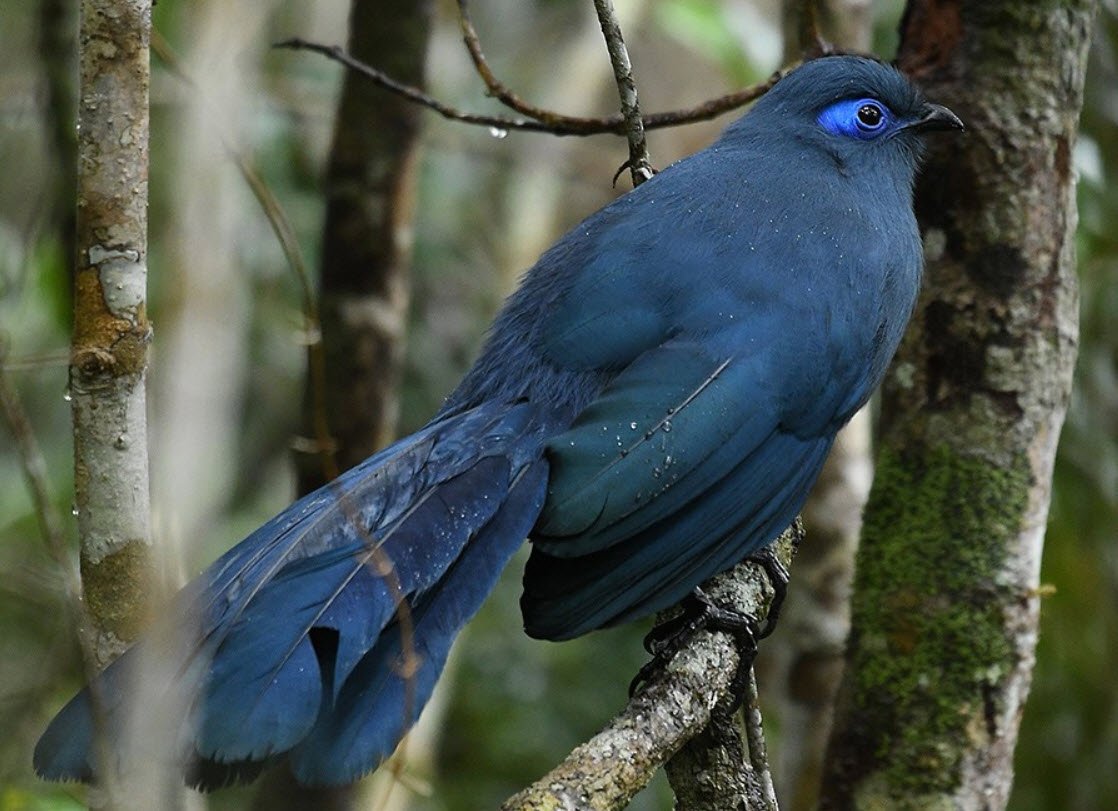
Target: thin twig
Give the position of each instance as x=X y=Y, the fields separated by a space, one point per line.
x=35 y=472
x=755 y=740
x=640 y=165
x=563 y=125
x=60 y=357
x=498 y=89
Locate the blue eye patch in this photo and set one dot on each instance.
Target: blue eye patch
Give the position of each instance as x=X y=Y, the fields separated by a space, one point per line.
x=856 y=118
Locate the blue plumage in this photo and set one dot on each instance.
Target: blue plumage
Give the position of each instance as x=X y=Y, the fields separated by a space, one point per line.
x=652 y=406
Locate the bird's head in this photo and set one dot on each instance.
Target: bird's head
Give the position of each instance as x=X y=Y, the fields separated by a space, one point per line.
x=855 y=109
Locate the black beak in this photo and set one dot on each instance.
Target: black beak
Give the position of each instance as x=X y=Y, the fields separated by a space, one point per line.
x=937 y=117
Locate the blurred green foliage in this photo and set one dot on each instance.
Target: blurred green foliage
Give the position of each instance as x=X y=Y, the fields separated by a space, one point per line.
x=486 y=207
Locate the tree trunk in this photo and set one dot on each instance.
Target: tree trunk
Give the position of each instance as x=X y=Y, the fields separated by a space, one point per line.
x=366 y=251
x=111 y=332
x=367 y=237
x=945 y=607
x=108 y=366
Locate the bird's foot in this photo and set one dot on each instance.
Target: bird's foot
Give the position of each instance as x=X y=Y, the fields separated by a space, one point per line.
x=699 y=613
x=778 y=577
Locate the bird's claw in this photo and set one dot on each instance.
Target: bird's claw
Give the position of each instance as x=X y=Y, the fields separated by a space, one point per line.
x=778 y=576
x=699 y=613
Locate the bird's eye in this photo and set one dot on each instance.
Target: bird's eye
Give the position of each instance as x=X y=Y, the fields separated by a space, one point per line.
x=870 y=116
x=865 y=119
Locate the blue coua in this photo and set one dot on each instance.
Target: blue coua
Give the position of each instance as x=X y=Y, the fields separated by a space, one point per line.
x=651 y=407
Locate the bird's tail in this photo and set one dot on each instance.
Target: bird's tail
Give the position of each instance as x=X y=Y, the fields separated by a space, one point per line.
x=320 y=637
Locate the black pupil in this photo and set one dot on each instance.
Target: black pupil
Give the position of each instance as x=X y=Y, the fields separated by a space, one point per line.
x=869 y=114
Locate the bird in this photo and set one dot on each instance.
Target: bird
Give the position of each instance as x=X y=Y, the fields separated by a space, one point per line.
x=651 y=406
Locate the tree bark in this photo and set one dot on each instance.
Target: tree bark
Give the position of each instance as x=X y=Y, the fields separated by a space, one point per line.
x=111 y=335
x=945 y=607
x=108 y=366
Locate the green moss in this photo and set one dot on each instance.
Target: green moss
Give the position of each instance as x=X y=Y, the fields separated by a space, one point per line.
x=118 y=589
x=928 y=610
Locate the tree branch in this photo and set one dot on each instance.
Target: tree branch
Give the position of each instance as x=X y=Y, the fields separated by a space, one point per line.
x=35 y=472
x=640 y=165
x=111 y=335
x=675 y=706
x=498 y=89
x=755 y=736
x=553 y=123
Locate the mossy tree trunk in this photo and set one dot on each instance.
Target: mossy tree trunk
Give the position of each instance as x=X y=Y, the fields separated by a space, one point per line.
x=108 y=371
x=946 y=603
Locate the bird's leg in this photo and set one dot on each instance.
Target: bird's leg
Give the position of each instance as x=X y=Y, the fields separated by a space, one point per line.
x=699 y=613
x=778 y=576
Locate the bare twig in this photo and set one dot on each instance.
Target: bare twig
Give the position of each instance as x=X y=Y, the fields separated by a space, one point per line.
x=559 y=125
x=640 y=165
x=35 y=472
x=498 y=89
x=43 y=360
x=755 y=738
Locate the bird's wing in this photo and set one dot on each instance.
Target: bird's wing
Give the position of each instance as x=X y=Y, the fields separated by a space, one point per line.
x=610 y=315
x=669 y=426
x=655 y=567
x=677 y=471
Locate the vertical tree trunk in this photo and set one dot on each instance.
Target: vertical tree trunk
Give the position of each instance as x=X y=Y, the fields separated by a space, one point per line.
x=108 y=365
x=367 y=236
x=366 y=250
x=111 y=331
x=945 y=605
x=197 y=383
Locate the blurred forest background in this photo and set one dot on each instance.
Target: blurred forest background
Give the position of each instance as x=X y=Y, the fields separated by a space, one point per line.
x=228 y=363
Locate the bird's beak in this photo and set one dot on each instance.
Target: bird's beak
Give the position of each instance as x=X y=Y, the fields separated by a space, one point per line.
x=936 y=117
